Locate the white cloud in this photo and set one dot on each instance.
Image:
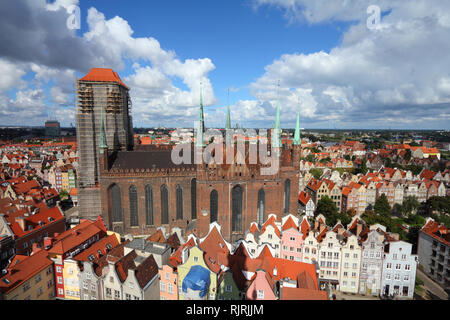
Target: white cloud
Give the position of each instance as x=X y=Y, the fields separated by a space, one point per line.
x=371 y=75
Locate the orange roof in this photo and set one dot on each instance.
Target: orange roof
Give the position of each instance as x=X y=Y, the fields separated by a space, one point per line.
x=303 y=294
x=158 y=236
x=437 y=231
x=74 y=237
x=73 y=192
x=271 y=221
x=304 y=228
x=303 y=197
x=98 y=249
x=290 y=223
x=103 y=75
x=23 y=268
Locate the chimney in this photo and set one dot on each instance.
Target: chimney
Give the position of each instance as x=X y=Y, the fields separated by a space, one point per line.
x=48 y=242
x=395 y=236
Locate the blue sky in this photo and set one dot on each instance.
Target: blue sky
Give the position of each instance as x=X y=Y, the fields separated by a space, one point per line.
x=332 y=67
x=238 y=38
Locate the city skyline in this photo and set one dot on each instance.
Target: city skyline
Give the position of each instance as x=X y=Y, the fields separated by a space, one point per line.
x=332 y=67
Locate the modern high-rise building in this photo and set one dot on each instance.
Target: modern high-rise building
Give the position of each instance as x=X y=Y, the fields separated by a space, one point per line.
x=101 y=97
x=52 y=128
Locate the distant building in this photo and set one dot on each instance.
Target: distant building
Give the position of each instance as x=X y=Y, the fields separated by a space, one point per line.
x=52 y=128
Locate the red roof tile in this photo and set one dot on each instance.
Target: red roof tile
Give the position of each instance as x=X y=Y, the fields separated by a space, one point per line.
x=103 y=75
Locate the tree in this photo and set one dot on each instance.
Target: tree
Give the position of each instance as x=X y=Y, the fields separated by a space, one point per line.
x=408 y=155
x=364 y=166
x=317 y=173
x=311 y=158
x=410 y=205
x=382 y=206
x=63 y=194
x=327 y=207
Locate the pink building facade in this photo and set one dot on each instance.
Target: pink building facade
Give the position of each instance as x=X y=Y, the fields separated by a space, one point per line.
x=168 y=283
x=291 y=245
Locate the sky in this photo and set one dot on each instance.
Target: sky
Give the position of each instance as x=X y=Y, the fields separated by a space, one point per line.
x=336 y=63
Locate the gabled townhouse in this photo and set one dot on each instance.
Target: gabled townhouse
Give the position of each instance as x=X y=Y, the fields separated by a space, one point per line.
x=195 y=280
x=411 y=190
x=262 y=287
x=270 y=278
x=92 y=273
x=70 y=243
x=306 y=204
x=350 y=265
x=311 y=249
x=72 y=266
x=329 y=258
x=398 y=193
x=433 y=251
x=441 y=190
x=372 y=262
x=399 y=270
x=371 y=193
x=291 y=239
x=422 y=192
x=142 y=281
x=131 y=277
x=351 y=197
x=168 y=283
x=252 y=238
x=335 y=193
x=28 y=278
x=270 y=234
x=227 y=288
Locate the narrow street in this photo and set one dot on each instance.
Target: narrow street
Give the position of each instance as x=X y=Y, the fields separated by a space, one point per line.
x=434 y=290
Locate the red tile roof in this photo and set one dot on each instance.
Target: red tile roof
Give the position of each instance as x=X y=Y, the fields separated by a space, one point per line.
x=437 y=231
x=74 y=237
x=23 y=268
x=103 y=75
x=271 y=221
x=290 y=223
x=303 y=197
x=98 y=249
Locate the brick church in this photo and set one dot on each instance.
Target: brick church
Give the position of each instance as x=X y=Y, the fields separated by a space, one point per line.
x=138 y=188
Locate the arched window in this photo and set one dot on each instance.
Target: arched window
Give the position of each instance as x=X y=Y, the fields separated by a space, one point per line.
x=261 y=207
x=287 y=195
x=164 y=205
x=179 y=202
x=213 y=206
x=194 y=199
x=134 y=219
x=149 y=205
x=116 y=203
x=236 y=207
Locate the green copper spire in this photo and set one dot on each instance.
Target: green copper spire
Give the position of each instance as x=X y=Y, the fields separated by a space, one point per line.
x=276 y=139
x=228 y=122
x=102 y=144
x=199 y=141
x=297 y=141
